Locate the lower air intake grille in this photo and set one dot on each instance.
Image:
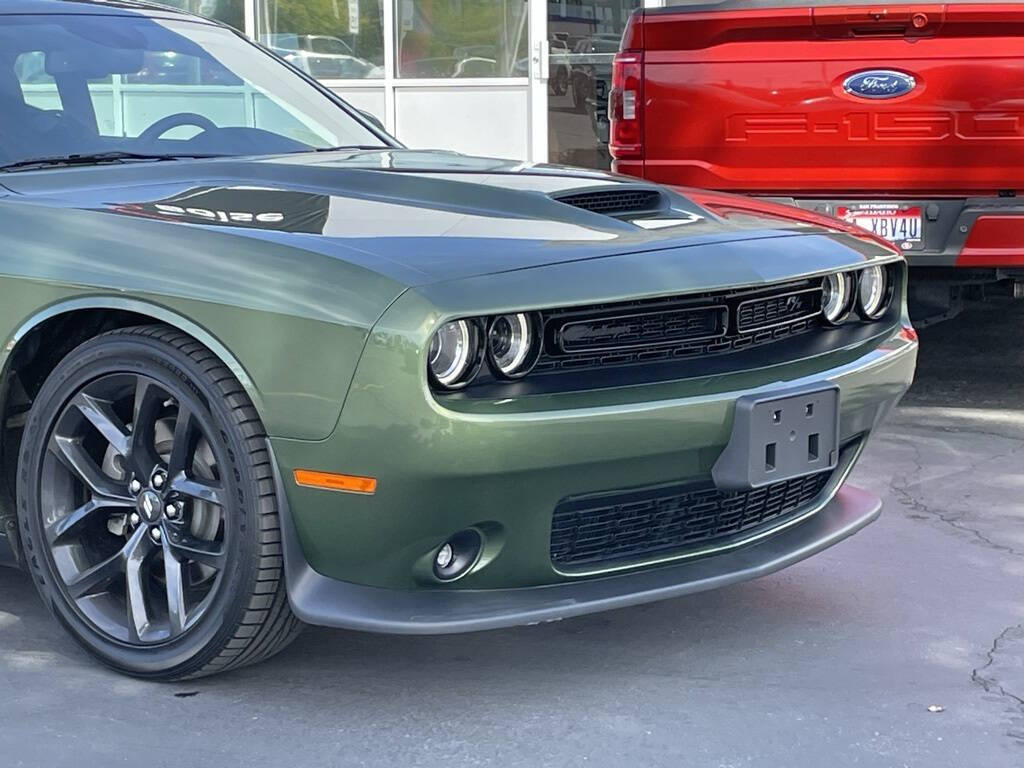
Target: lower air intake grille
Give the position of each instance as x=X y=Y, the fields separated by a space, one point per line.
x=616 y=202
x=634 y=525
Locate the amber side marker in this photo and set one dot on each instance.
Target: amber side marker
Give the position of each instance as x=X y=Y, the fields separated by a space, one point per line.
x=332 y=482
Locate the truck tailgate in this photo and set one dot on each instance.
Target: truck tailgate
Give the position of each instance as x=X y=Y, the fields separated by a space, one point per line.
x=758 y=99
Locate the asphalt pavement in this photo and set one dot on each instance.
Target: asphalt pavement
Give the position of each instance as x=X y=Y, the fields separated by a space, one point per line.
x=903 y=646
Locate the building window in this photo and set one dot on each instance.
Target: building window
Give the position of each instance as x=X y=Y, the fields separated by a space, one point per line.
x=230 y=12
x=328 y=39
x=462 y=38
x=584 y=36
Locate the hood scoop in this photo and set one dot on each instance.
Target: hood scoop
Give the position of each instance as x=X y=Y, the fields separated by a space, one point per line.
x=616 y=201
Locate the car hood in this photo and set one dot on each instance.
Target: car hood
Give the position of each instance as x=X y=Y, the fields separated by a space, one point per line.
x=416 y=217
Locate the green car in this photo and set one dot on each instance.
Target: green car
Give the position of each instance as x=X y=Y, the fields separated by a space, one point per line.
x=264 y=366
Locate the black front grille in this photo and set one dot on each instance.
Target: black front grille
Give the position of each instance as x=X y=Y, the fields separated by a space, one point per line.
x=768 y=311
x=674 y=329
x=635 y=525
x=616 y=331
x=616 y=202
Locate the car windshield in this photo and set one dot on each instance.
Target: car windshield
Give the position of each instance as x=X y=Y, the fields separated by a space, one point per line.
x=123 y=87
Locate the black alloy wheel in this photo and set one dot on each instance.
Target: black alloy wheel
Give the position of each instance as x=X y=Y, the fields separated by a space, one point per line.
x=137 y=533
x=145 y=508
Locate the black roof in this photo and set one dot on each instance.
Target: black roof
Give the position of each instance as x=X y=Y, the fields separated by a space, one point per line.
x=91 y=7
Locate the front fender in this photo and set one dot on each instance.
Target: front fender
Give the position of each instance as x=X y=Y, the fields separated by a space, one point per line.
x=289 y=322
x=140 y=307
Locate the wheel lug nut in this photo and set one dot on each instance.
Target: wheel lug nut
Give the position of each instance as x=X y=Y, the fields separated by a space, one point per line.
x=133 y=518
x=155 y=533
x=135 y=486
x=158 y=480
x=171 y=510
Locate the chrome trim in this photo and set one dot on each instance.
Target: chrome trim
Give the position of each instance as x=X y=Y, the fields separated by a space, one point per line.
x=908 y=83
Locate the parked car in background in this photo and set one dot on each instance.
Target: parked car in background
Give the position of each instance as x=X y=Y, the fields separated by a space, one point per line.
x=322 y=56
x=591 y=70
x=560 y=62
x=904 y=118
x=263 y=365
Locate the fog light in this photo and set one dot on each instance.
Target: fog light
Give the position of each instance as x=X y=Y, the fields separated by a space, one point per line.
x=445 y=555
x=457 y=555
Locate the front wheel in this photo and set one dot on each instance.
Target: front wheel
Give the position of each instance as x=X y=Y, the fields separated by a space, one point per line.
x=560 y=82
x=148 y=511
x=580 y=89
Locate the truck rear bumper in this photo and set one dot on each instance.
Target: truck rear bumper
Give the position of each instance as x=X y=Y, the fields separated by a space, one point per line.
x=977 y=232
x=966 y=232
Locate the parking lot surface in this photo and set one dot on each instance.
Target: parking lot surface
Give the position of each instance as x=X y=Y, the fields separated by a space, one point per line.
x=903 y=646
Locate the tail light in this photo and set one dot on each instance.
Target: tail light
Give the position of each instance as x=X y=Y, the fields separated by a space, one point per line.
x=625 y=105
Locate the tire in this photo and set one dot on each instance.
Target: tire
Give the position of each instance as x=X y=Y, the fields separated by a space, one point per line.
x=579 y=95
x=179 y=577
x=560 y=82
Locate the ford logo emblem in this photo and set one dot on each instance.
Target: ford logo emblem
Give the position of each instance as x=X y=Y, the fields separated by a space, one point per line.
x=879 y=84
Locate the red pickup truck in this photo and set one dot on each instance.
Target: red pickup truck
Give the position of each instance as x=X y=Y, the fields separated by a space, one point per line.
x=906 y=118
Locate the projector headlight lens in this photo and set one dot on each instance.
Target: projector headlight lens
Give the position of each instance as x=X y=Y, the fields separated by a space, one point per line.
x=873 y=293
x=453 y=352
x=513 y=343
x=837 y=297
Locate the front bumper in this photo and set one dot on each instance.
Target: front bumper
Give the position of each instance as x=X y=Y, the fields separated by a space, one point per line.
x=365 y=561
x=319 y=600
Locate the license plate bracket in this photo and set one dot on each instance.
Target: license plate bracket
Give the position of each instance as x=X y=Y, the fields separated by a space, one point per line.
x=779 y=436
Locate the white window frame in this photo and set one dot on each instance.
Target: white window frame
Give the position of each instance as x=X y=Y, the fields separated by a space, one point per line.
x=536 y=82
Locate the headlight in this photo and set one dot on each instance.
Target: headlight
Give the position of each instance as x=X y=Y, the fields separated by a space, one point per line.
x=874 y=292
x=513 y=344
x=837 y=297
x=454 y=353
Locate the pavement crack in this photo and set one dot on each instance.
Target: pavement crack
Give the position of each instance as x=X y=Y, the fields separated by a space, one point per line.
x=910 y=501
x=990 y=683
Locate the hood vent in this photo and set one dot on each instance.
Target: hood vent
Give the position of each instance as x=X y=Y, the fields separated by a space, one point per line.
x=616 y=202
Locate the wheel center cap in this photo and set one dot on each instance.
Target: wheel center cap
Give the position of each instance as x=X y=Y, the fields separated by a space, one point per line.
x=150 y=505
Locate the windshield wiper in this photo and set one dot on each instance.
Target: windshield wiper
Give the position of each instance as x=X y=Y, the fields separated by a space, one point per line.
x=95 y=158
x=345 y=147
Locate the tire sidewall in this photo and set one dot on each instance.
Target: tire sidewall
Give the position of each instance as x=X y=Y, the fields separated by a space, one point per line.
x=146 y=356
x=560 y=82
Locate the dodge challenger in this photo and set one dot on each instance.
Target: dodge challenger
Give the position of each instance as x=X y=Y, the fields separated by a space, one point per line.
x=264 y=366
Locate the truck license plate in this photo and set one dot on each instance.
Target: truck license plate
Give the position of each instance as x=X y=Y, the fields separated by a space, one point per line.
x=899 y=224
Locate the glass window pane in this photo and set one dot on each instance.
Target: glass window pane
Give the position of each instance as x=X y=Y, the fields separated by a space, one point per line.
x=584 y=36
x=37 y=87
x=462 y=38
x=231 y=12
x=328 y=39
x=158 y=87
